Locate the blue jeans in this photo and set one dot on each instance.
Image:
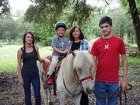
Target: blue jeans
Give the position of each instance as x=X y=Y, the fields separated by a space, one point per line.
x=105 y=89
x=35 y=81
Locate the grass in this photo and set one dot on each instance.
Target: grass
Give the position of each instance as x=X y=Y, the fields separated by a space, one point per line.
x=133 y=61
x=8 y=57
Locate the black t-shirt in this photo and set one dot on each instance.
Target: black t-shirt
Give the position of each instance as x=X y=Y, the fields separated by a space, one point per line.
x=75 y=46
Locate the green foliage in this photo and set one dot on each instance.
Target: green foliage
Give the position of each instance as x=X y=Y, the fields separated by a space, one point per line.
x=45 y=33
x=7 y=27
x=122 y=25
x=51 y=11
x=41 y=17
x=11 y=29
x=4 y=7
x=125 y=3
x=133 y=61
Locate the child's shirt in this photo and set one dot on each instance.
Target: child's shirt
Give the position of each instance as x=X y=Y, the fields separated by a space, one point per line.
x=60 y=43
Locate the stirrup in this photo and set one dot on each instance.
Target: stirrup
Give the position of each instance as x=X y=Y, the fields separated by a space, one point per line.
x=49 y=80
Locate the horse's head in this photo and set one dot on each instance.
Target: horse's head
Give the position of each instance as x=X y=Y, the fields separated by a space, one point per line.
x=83 y=62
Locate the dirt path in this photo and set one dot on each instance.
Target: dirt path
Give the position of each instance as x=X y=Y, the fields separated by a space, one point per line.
x=11 y=93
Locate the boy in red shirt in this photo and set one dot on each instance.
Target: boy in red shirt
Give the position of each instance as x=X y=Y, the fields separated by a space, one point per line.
x=106 y=51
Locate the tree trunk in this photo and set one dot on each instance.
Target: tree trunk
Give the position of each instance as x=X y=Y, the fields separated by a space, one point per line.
x=136 y=20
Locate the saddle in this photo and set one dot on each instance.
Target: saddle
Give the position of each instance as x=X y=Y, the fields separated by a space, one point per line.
x=55 y=73
x=45 y=66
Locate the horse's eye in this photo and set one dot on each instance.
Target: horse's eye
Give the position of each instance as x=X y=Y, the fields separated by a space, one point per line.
x=79 y=71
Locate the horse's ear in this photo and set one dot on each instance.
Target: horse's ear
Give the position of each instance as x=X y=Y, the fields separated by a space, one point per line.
x=72 y=53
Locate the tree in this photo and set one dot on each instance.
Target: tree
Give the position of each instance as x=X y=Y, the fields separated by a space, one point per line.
x=13 y=29
x=4 y=7
x=7 y=27
x=122 y=24
x=51 y=11
x=45 y=13
x=134 y=11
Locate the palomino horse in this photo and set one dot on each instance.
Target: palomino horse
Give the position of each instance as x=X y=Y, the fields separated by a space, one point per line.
x=73 y=77
x=45 y=89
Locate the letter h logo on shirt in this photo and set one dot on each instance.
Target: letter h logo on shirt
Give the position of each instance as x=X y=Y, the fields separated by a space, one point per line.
x=106 y=46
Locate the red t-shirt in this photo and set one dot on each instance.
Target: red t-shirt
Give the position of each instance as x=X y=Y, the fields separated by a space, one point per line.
x=107 y=52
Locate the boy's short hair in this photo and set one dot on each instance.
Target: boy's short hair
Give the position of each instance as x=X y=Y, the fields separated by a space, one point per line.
x=60 y=24
x=105 y=19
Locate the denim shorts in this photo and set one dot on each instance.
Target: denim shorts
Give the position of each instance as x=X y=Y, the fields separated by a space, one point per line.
x=104 y=89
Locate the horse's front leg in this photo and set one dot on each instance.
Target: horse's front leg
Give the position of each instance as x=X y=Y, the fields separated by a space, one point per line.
x=77 y=99
x=62 y=98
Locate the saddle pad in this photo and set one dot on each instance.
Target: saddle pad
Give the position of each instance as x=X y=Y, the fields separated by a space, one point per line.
x=45 y=66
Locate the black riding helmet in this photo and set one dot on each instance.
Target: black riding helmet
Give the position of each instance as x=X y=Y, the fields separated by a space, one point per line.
x=60 y=24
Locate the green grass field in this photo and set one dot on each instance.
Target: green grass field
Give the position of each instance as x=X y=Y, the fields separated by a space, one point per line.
x=8 y=57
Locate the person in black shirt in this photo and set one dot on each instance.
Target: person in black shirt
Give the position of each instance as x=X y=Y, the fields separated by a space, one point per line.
x=77 y=42
x=28 y=72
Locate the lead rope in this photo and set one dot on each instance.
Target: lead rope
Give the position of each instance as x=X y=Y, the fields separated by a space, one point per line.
x=120 y=94
x=69 y=91
x=67 y=88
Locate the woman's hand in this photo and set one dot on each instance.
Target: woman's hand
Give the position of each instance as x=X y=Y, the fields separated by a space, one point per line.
x=47 y=61
x=20 y=79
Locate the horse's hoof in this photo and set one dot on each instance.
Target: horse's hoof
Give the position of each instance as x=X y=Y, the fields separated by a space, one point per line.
x=50 y=103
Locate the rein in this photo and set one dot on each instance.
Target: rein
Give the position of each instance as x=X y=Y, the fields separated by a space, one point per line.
x=68 y=90
x=80 y=81
x=119 y=89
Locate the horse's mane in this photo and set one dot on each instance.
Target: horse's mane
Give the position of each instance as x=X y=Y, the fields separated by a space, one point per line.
x=82 y=58
x=67 y=68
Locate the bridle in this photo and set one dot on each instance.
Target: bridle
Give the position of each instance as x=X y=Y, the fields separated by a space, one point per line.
x=79 y=79
x=119 y=89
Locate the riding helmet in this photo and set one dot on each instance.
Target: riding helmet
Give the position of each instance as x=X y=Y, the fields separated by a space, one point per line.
x=60 y=24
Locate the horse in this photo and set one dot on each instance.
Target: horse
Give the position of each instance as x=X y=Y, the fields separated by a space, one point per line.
x=45 y=89
x=73 y=77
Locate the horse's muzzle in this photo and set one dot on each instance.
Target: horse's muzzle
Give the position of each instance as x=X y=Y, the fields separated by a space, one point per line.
x=88 y=91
